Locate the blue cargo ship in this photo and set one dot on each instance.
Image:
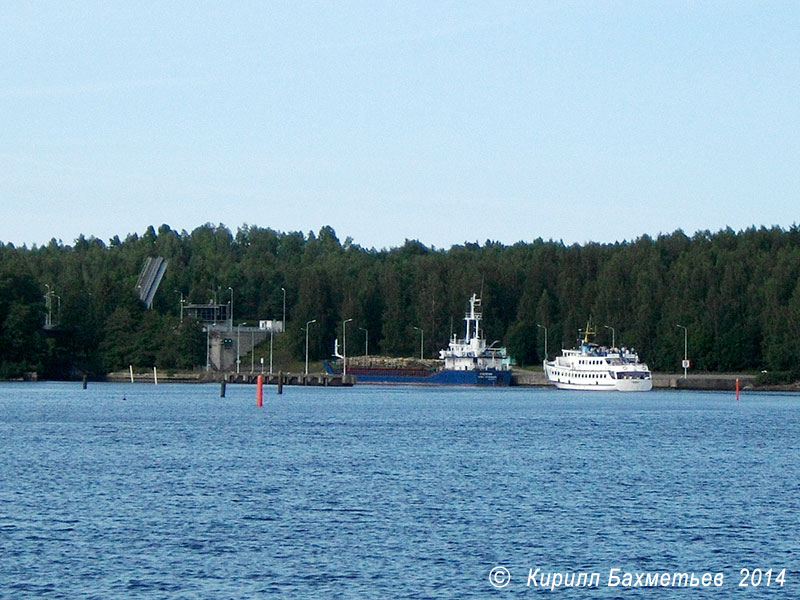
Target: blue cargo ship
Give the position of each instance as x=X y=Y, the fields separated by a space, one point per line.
x=465 y=361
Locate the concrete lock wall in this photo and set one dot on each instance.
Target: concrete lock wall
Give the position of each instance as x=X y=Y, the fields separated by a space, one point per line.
x=226 y=345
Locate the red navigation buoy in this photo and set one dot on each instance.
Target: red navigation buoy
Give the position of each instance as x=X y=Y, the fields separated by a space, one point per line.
x=259 y=390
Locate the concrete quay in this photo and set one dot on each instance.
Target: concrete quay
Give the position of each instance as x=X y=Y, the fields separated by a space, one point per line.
x=704 y=381
x=312 y=379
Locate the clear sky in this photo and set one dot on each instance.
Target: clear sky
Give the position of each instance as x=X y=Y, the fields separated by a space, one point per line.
x=444 y=122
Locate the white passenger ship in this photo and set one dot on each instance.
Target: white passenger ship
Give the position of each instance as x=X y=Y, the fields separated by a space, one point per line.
x=593 y=367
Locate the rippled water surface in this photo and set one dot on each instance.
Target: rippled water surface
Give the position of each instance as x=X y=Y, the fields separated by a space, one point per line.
x=138 y=491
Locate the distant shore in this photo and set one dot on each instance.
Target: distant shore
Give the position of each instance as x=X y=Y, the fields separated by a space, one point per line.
x=521 y=378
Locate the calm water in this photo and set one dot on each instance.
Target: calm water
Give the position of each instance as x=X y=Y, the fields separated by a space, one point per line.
x=137 y=491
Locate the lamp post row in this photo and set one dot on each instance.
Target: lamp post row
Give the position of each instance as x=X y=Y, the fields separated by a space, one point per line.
x=685 y=362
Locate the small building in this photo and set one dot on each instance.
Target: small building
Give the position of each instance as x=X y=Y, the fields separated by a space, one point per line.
x=207 y=313
x=273 y=325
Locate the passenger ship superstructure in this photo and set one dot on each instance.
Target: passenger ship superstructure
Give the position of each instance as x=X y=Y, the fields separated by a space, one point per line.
x=593 y=367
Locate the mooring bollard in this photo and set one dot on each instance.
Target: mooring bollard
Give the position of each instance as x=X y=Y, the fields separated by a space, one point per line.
x=259 y=390
x=84 y=382
x=280 y=382
x=221 y=389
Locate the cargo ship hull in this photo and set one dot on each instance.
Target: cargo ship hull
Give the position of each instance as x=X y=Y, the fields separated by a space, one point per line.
x=487 y=377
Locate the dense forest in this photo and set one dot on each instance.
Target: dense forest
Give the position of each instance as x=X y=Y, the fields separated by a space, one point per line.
x=737 y=294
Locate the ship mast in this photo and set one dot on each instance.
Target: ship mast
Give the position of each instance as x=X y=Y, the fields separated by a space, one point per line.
x=472 y=317
x=588 y=331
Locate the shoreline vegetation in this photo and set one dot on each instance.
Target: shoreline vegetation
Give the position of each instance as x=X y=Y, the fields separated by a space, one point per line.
x=729 y=302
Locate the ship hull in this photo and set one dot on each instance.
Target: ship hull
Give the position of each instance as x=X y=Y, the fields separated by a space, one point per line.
x=478 y=377
x=641 y=385
x=581 y=381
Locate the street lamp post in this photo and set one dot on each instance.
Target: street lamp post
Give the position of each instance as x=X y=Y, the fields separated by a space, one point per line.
x=685 y=349
x=238 y=351
x=613 y=335
x=252 y=349
x=48 y=321
x=271 y=332
x=421 y=341
x=344 y=348
x=545 y=339
x=181 y=293
x=208 y=345
x=283 y=323
x=231 y=315
x=307 y=324
x=366 y=341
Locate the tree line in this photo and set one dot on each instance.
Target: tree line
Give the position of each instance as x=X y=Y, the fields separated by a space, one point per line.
x=736 y=293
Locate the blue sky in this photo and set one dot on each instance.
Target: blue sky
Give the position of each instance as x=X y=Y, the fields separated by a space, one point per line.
x=438 y=121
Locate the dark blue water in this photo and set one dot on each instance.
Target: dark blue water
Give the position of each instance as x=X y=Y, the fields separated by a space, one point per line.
x=375 y=492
